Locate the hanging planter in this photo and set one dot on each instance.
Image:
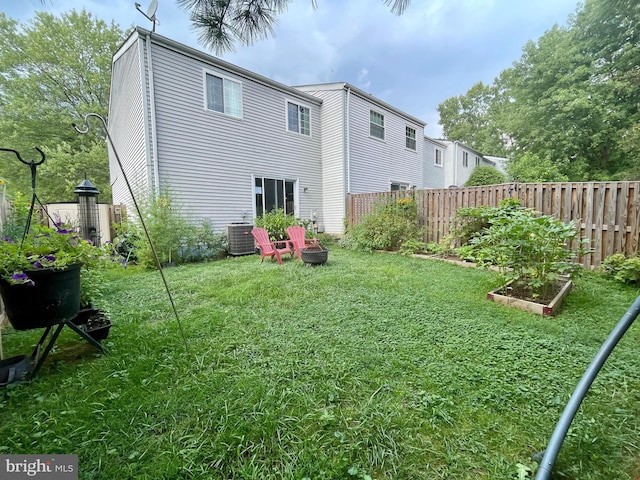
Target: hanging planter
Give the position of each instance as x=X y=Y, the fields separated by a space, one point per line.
x=51 y=298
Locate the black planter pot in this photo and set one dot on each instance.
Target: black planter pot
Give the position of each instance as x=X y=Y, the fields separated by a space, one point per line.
x=54 y=298
x=97 y=325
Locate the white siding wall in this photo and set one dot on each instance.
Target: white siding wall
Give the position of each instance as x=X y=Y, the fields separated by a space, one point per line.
x=127 y=127
x=433 y=174
x=376 y=163
x=209 y=159
x=464 y=172
x=333 y=160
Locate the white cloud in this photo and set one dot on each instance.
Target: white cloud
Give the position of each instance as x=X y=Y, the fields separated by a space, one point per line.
x=437 y=49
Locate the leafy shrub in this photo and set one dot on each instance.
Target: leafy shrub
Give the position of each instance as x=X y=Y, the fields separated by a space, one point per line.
x=167 y=228
x=125 y=241
x=16 y=221
x=623 y=269
x=531 y=168
x=277 y=221
x=530 y=249
x=387 y=227
x=485 y=175
x=202 y=244
x=469 y=221
x=326 y=239
x=411 y=247
x=466 y=252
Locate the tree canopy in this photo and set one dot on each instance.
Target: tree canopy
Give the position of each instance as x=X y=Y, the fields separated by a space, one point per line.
x=569 y=107
x=222 y=23
x=54 y=71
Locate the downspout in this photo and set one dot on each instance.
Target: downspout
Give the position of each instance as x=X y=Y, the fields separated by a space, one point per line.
x=154 y=136
x=348 y=140
x=455 y=163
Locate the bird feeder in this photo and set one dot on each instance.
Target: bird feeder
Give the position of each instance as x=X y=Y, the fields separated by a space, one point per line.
x=88 y=211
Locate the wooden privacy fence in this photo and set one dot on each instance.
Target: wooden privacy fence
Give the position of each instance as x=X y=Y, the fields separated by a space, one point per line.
x=607 y=213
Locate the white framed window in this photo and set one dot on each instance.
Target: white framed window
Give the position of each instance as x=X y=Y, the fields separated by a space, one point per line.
x=376 y=124
x=298 y=119
x=465 y=159
x=273 y=193
x=410 y=138
x=223 y=95
x=478 y=161
x=438 y=158
x=398 y=186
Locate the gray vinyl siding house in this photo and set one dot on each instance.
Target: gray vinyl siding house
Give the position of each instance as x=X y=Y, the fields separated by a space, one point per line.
x=230 y=144
x=211 y=160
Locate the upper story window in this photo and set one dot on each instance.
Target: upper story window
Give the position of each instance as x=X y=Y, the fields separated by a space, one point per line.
x=438 y=158
x=410 y=134
x=465 y=159
x=478 y=161
x=298 y=119
x=224 y=95
x=376 y=124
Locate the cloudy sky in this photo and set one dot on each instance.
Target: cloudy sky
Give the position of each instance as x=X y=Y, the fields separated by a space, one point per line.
x=436 y=50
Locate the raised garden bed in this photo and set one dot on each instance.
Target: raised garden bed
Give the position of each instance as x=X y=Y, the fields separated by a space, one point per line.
x=508 y=296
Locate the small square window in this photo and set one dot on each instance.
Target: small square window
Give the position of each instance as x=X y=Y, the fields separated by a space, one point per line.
x=298 y=119
x=224 y=95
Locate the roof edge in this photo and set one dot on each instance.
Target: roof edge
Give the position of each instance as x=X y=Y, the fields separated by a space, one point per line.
x=139 y=32
x=361 y=93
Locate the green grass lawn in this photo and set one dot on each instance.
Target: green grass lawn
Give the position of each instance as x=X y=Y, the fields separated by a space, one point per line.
x=380 y=366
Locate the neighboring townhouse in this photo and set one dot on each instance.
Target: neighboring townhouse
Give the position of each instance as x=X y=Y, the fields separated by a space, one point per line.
x=460 y=160
x=231 y=144
x=367 y=146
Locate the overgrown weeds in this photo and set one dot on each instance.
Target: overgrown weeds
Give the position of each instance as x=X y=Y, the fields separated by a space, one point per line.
x=388 y=226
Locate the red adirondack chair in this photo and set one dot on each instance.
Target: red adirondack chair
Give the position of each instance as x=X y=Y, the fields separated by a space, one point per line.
x=269 y=248
x=297 y=236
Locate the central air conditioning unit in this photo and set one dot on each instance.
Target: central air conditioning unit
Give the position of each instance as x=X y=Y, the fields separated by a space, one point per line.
x=240 y=239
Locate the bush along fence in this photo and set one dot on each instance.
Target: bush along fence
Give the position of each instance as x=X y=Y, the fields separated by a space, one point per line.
x=608 y=213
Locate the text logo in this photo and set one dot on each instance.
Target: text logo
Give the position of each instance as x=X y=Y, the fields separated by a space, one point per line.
x=45 y=467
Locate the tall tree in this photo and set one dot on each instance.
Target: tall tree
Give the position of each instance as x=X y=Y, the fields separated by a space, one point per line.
x=54 y=71
x=468 y=118
x=572 y=99
x=222 y=23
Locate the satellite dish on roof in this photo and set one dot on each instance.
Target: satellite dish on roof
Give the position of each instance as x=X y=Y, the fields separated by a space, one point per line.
x=153 y=8
x=150 y=13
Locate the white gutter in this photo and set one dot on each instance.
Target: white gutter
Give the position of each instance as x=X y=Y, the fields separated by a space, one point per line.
x=154 y=136
x=145 y=111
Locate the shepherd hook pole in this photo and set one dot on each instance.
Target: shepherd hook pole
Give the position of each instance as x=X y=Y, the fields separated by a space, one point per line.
x=551 y=453
x=144 y=226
